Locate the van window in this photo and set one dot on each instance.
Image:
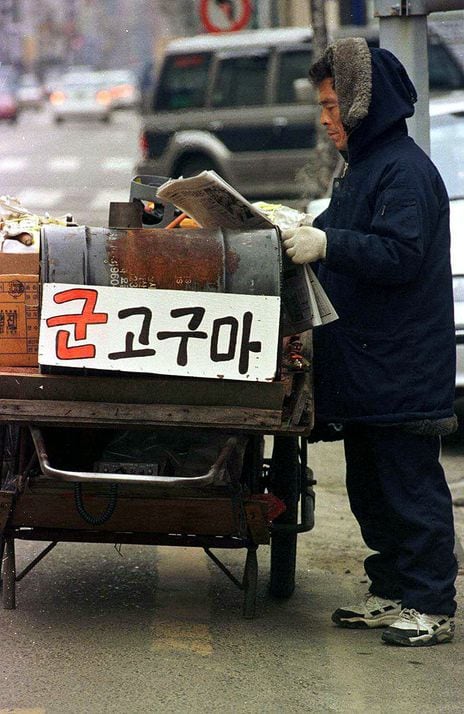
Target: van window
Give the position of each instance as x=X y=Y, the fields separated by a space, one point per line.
x=241 y=81
x=183 y=82
x=292 y=65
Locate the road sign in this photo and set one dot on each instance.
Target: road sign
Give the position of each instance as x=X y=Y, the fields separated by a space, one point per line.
x=225 y=15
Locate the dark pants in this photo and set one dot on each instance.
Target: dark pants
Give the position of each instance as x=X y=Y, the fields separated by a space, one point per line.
x=400 y=498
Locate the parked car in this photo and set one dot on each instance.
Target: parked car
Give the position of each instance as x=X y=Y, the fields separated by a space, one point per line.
x=29 y=93
x=8 y=104
x=81 y=95
x=230 y=103
x=9 y=108
x=122 y=84
x=447 y=152
x=447 y=149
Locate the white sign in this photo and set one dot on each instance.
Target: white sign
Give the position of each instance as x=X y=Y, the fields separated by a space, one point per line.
x=172 y=332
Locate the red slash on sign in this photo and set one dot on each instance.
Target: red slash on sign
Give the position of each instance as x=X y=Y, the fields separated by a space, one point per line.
x=225 y=15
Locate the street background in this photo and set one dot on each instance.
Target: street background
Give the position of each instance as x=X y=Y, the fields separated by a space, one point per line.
x=160 y=629
x=149 y=629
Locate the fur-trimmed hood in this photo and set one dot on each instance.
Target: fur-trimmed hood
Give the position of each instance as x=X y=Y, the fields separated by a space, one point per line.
x=373 y=90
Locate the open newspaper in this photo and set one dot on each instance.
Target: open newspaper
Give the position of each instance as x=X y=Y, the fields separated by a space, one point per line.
x=213 y=203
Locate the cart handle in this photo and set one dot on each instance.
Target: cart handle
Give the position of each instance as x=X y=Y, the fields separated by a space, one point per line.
x=96 y=477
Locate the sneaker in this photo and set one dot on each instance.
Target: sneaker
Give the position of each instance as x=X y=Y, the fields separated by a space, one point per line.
x=416 y=629
x=374 y=611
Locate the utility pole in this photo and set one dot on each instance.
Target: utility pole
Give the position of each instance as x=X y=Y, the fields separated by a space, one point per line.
x=323 y=159
x=267 y=13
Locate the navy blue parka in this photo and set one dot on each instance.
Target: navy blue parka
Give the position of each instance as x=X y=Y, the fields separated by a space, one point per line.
x=390 y=358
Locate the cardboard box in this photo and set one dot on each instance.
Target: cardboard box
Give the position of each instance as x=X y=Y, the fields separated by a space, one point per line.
x=19 y=309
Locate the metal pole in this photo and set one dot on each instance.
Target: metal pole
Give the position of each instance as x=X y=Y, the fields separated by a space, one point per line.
x=406 y=37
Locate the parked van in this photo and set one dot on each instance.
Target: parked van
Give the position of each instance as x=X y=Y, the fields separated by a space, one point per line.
x=229 y=102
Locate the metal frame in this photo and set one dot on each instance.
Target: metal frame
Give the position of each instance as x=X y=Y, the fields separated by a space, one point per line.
x=248 y=583
x=33 y=401
x=98 y=477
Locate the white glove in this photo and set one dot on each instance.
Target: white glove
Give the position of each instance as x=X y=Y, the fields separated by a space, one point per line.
x=305 y=244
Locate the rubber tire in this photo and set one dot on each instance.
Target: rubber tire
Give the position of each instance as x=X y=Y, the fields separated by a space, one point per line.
x=284 y=483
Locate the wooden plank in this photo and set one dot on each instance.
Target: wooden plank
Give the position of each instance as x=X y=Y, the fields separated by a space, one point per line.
x=256 y=515
x=72 y=413
x=303 y=400
x=134 y=389
x=199 y=516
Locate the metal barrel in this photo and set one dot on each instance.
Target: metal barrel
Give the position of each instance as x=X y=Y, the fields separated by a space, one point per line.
x=204 y=260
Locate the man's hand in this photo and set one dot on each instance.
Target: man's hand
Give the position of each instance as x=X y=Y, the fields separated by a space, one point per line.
x=305 y=244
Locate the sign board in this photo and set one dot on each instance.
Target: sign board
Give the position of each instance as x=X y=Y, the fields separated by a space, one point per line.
x=168 y=332
x=225 y=15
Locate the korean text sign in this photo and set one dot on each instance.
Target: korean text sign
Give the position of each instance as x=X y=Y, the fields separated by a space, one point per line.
x=169 y=332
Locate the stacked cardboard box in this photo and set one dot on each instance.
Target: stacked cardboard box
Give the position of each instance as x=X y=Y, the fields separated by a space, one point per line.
x=19 y=307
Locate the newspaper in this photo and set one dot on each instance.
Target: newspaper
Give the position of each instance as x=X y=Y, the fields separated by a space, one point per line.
x=323 y=311
x=213 y=203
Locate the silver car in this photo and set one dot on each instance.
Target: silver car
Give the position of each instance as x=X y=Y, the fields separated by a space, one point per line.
x=81 y=95
x=447 y=148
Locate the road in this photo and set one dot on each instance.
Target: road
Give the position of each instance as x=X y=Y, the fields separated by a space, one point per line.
x=98 y=631
x=74 y=167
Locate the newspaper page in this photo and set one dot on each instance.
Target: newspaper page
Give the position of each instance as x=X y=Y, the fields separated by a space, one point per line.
x=323 y=311
x=212 y=202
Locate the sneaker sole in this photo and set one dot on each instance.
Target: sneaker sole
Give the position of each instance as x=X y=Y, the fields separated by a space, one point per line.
x=392 y=638
x=360 y=623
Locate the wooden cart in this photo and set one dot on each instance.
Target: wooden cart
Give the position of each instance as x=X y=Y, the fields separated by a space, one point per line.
x=232 y=505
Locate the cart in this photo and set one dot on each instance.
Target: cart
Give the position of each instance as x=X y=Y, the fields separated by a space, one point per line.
x=55 y=485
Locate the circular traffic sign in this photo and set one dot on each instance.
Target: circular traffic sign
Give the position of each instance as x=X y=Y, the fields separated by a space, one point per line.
x=225 y=15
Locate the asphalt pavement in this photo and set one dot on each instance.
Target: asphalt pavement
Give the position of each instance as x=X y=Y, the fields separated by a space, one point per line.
x=142 y=629
x=76 y=167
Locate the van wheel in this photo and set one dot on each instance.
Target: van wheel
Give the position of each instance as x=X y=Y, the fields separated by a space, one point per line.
x=193 y=165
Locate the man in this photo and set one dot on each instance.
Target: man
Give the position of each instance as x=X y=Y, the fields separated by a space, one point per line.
x=386 y=368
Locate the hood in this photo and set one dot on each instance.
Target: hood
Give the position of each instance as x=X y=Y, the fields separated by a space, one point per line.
x=374 y=91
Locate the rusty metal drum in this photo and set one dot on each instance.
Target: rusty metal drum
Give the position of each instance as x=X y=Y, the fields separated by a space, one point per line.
x=219 y=260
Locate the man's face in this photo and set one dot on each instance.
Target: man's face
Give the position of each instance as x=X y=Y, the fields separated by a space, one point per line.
x=330 y=114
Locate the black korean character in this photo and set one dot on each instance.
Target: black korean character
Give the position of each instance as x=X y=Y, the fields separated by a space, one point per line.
x=218 y=324
x=245 y=347
x=143 y=335
x=11 y=321
x=197 y=316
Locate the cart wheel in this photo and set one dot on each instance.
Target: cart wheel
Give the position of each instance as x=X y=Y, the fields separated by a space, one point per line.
x=284 y=483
